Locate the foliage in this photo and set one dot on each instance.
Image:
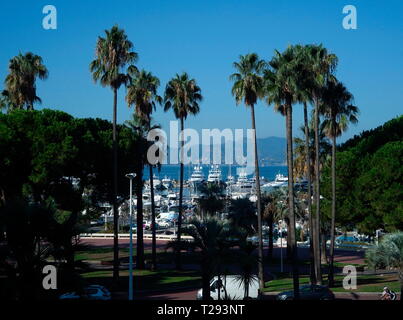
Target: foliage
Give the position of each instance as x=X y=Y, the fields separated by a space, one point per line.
x=20 y=84
x=49 y=154
x=369 y=180
x=242 y=214
x=388 y=254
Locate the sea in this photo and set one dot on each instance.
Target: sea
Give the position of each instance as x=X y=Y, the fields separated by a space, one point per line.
x=173 y=171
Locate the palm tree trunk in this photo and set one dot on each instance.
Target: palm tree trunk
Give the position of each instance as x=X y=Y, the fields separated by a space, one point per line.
x=309 y=194
x=259 y=211
x=317 y=198
x=178 y=253
x=288 y=247
x=333 y=223
x=154 y=237
x=115 y=191
x=271 y=240
x=323 y=245
x=293 y=243
x=139 y=220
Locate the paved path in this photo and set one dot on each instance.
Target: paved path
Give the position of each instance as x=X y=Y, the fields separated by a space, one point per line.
x=341 y=255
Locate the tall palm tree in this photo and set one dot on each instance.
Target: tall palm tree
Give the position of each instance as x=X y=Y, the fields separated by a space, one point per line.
x=304 y=97
x=142 y=93
x=5 y=101
x=284 y=82
x=182 y=95
x=20 y=82
x=321 y=65
x=112 y=55
x=248 y=88
x=140 y=128
x=339 y=112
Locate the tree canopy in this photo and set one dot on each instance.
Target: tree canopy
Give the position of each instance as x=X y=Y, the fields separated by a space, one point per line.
x=369 y=180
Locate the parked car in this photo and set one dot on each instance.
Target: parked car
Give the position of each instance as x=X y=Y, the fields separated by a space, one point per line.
x=308 y=292
x=149 y=225
x=230 y=287
x=92 y=292
x=164 y=223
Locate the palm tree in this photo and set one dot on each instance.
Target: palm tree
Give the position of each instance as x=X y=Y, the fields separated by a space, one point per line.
x=248 y=88
x=140 y=128
x=338 y=112
x=5 y=101
x=272 y=212
x=304 y=98
x=142 y=93
x=305 y=166
x=247 y=261
x=300 y=150
x=209 y=233
x=388 y=254
x=113 y=53
x=20 y=82
x=182 y=94
x=321 y=65
x=211 y=200
x=283 y=83
x=242 y=215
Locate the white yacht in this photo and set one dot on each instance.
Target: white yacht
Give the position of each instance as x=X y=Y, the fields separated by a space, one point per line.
x=280 y=181
x=214 y=174
x=230 y=179
x=167 y=182
x=156 y=181
x=243 y=187
x=197 y=175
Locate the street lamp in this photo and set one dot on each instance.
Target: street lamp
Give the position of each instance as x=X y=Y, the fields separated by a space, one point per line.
x=131 y=176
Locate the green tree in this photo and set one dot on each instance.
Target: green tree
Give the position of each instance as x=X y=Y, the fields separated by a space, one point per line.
x=113 y=54
x=182 y=95
x=20 y=83
x=379 y=189
x=248 y=88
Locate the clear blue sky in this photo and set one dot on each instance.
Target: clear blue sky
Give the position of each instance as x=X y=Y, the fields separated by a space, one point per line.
x=204 y=37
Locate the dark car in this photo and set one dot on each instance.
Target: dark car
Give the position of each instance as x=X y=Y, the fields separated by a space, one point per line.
x=308 y=292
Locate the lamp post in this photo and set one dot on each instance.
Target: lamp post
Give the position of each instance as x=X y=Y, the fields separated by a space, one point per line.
x=131 y=176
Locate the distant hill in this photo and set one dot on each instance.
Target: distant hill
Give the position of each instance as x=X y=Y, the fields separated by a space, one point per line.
x=272 y=151
x=370 y=140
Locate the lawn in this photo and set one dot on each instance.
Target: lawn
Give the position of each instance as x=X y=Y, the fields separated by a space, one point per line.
x=160 y=280
x=365 y=283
